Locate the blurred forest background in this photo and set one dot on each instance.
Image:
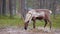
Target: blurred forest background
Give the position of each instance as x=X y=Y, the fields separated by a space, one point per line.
x=12 y=12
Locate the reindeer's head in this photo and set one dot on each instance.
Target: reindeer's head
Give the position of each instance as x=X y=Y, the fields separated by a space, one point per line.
x=28 y=19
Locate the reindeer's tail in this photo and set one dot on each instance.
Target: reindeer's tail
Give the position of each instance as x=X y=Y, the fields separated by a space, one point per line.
x=50 y=11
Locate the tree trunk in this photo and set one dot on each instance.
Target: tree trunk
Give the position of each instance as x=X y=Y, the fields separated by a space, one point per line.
x=0 y=7
x=12 y=7
x=22 y=5
x=7 y=7
x=4 y=7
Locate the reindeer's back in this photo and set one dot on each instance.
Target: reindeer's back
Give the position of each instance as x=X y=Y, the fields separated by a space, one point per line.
x=44 y=10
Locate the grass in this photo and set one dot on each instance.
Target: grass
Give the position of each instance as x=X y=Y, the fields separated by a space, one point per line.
x=7 y=21
x=17 y=21
x=56 y=21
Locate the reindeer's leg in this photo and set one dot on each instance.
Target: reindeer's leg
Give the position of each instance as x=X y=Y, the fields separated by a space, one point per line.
x=34 y=21
x=45 y=22
x=50 y=22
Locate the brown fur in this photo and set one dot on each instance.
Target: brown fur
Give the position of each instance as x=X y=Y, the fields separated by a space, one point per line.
x=46 y=18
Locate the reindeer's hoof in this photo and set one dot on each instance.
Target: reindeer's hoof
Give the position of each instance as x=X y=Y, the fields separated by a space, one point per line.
x=25 y=28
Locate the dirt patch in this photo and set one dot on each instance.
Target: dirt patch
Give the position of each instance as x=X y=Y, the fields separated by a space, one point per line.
x=39 y=30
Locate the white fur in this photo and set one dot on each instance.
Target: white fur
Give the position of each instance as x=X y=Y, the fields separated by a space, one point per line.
x=28 y=17
x=32 y=13
x=38 y=14
x=50 y=12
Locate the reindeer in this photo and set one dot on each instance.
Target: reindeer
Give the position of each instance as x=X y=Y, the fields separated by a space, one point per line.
x=39 y=14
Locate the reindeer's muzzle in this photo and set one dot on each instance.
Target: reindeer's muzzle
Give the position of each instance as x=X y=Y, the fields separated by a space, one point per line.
x=26 y=25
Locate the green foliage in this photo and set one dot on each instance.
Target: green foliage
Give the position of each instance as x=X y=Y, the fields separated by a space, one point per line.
x=17 y=21
x=7 y=21
x=56 y=21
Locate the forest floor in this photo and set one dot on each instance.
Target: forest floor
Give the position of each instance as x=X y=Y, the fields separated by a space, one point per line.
x=39 y=30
